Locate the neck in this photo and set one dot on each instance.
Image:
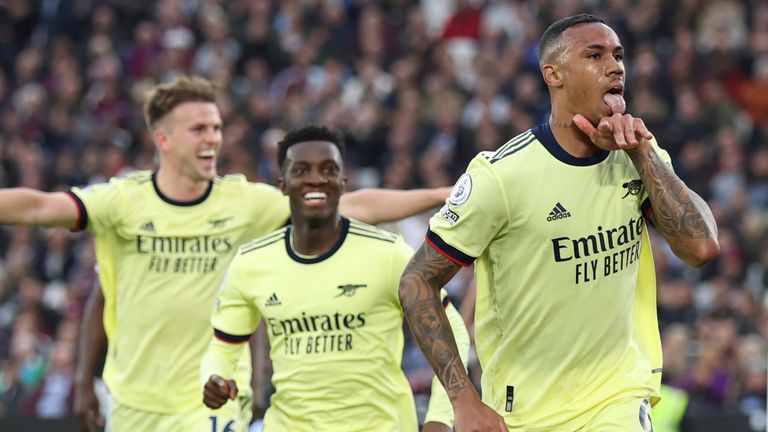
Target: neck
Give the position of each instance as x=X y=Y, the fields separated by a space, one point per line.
x=315 y=239
x=178 y=187
x=569 y=137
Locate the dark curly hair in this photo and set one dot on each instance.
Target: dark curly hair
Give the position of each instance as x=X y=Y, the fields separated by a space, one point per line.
x=309 y=133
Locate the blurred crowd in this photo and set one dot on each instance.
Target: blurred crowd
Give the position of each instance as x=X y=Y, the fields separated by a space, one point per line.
x=418 y=88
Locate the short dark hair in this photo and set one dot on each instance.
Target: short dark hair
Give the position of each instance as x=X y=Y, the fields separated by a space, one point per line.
x=309 y=133
x=552 y=34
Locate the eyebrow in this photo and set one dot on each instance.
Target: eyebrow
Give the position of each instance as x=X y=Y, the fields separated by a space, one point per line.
x=602 y=47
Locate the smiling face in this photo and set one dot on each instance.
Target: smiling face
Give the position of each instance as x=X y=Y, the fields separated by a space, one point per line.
x=189 y=139
x=587 y=77
x=312 y=177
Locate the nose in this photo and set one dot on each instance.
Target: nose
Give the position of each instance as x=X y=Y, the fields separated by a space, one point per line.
x=614 y=67
x=212 y=134
x=316 y=177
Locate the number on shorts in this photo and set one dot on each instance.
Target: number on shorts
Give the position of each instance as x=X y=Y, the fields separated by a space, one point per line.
x=229 y=427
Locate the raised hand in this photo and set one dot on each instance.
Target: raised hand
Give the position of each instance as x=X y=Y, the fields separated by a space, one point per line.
x=617 y=132
x=217 y=390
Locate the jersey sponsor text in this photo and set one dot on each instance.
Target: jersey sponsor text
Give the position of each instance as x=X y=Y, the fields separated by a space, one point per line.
x=625 y=238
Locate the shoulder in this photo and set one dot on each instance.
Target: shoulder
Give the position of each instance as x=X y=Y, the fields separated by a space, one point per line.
x=378 y=242
x=235 y=178
x=263 y=244
x=131 y=179
x=510 y=159
x=373 y=233
x=511 y=152
x=136 y=177
x=116 y=186
x=238 y=182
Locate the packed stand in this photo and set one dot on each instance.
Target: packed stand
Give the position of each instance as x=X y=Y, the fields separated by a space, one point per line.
x=418 y=87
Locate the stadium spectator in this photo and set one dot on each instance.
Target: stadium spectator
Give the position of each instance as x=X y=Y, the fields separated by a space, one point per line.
x=49 y=139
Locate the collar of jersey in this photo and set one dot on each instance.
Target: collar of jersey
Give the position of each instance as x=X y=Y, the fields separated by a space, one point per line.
x=543 y=133
x=180 y=203
x=316 y=259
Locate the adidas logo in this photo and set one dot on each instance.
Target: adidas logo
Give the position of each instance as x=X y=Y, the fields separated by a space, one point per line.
x=558 y=212
x=273 y=300
x=149 y=226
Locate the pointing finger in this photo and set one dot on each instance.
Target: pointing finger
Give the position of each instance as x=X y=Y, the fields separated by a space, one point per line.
x=585 y=126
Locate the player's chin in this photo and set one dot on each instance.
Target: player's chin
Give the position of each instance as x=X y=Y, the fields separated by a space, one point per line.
x=318 y=213
x=319 y=216
x=207 y=174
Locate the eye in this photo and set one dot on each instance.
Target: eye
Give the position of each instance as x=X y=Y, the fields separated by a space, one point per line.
x=595 y=56
x=619 y=56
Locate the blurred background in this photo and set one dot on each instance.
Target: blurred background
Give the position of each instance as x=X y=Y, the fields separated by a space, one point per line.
x=418 y=88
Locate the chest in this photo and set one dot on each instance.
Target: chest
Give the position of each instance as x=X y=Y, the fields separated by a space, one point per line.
x=603 y=201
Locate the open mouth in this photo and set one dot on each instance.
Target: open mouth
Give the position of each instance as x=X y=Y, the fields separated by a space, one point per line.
x=207 y=157
x=315 y=199
x=614 y=98
x=206 y=154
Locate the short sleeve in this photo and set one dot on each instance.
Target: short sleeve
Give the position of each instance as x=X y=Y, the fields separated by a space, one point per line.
x=472 y=216
x=98 y=205
x=270 y=208
x=234 y=317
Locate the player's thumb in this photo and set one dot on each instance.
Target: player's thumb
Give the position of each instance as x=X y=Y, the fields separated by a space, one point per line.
x=232 y=387
x=220 y=383
x=585 y=126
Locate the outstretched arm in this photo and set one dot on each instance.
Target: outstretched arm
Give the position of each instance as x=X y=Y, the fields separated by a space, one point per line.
x=23 y=206
x=93 y=341
x=386 y=205
x=679 y=214
x=420 y=284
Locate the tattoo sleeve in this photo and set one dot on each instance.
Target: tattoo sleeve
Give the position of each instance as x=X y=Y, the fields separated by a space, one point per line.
x=679 y=214
x=420 y=285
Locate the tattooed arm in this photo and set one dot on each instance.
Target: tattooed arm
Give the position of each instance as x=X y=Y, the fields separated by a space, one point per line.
x=679 y=214
x=419 y=292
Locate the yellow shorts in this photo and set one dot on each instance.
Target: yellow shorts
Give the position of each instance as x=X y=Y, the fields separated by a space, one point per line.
x=234 y=416
x=626 y=415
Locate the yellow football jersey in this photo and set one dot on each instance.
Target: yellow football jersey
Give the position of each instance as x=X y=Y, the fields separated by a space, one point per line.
x=565 y=317
x=335 y=329
x=160 y=265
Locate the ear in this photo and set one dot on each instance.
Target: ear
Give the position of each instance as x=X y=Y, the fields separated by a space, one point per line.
x=343 y=184
x=553 y=75
x=160 y=138
x=281 y=184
